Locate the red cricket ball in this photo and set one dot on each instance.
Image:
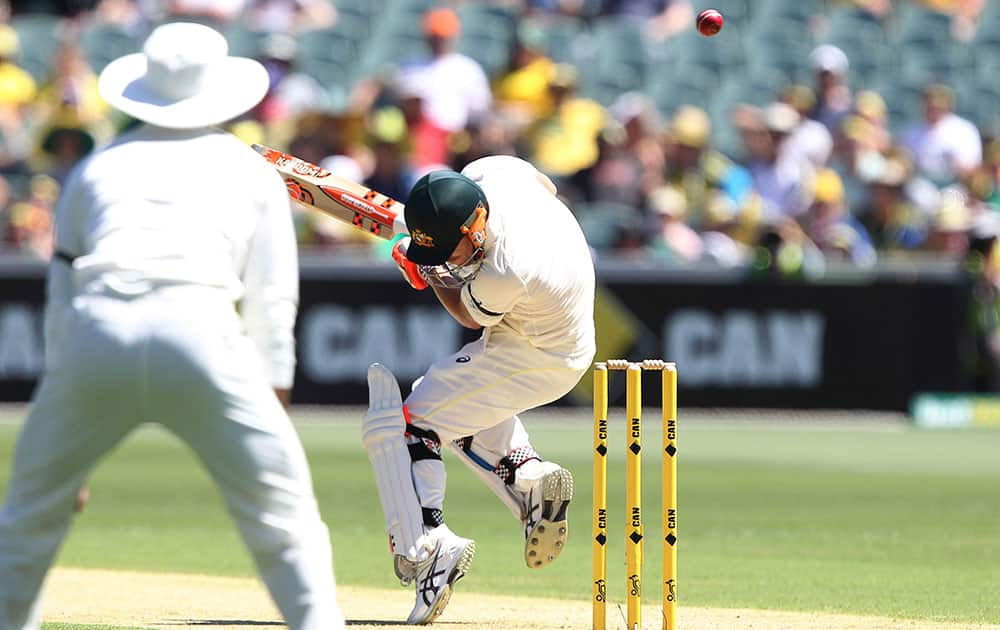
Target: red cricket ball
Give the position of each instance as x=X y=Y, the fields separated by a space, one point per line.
x=709 y=22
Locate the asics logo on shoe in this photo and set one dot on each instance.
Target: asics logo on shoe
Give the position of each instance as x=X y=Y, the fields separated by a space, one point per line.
x=428 y=589
x=530 y=508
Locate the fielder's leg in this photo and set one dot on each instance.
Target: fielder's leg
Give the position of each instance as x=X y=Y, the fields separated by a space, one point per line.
x=56 y=449
x=231 y=418
x=257 y=460
x=537 y=492
x=402 y=455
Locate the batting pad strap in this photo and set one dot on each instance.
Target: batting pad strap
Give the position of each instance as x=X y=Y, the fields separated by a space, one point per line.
x=423 y=434
x=509 y=463
x=423 y=448
x=433 y=517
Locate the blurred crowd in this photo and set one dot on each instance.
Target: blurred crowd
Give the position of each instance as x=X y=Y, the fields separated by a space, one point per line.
x=817 y=173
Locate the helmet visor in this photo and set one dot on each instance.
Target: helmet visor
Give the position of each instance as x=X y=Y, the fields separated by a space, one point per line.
x=452 y=276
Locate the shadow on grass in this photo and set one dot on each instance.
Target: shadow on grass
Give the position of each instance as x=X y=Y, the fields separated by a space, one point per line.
x=278 y=624
x=225 y=622
x=396 y=622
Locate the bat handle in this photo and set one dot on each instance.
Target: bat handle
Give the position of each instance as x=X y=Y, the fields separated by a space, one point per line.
x=399 y=225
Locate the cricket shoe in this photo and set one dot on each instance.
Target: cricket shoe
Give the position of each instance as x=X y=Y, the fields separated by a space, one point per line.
x=436 y=575
x=544 y=505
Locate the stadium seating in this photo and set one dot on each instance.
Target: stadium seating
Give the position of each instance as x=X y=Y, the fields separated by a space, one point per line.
x=488 y=35
x=364 y=9
x=735 y=11
x=243 y=41
x=864 y=38
x=38 y=34
x=669 y=90
x=921 y=27
x=566 y=38
x=603 y=222
x=102 y=43
x=326 y=55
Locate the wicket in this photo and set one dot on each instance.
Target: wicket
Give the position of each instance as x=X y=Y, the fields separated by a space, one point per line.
x=633 y=491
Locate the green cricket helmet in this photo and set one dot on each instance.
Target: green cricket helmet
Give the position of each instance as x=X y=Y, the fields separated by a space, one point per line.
x=443 y=208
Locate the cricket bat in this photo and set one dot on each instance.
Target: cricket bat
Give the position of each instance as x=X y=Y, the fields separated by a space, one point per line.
x=368 y=210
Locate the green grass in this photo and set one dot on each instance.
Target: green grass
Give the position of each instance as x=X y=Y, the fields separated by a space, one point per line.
x=865 y=520
x=75 y=626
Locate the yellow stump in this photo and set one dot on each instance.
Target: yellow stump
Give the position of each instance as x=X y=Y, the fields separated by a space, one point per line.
x=600 y=516
x=633 y=494
x=669 y=497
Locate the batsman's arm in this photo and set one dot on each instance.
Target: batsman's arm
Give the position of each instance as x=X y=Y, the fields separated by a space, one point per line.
x=451 y=300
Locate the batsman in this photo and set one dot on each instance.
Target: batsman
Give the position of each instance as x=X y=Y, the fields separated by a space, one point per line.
x=502 y=254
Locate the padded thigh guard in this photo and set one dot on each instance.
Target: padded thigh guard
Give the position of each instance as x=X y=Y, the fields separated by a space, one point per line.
x=383 y=437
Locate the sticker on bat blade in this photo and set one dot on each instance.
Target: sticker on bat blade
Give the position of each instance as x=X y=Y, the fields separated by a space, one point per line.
x=300 y=167
x=297 y=192
x=271 y=155
x=363 y=209
x=359 y=222
x=387 y=202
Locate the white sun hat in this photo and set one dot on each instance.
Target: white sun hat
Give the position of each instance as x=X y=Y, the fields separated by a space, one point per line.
x=183 y=79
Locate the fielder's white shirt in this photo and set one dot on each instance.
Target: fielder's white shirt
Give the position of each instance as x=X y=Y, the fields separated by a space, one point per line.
x=537 y=279
x=218 y=218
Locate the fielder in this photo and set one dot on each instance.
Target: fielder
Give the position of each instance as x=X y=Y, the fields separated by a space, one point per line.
x=159 y=236
x=504 y=254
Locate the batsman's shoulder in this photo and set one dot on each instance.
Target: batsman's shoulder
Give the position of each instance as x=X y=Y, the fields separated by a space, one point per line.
x=493 y=164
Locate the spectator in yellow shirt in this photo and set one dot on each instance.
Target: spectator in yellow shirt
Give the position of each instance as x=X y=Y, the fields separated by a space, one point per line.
x=523 y=91
x=17 y=91
x=565 y=142
x=71 y=93
x=17 y=88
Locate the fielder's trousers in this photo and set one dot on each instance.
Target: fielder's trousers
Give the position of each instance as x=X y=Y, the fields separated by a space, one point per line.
x=178 y=358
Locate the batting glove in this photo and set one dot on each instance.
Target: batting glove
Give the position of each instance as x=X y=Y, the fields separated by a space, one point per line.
x=408 y=268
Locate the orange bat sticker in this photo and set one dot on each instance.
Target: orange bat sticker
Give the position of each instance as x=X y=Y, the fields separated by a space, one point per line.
x=297 y=192
x=365 y=208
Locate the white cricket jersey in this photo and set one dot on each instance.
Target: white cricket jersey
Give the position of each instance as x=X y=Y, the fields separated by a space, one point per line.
x=217 y=219
x=537 y=279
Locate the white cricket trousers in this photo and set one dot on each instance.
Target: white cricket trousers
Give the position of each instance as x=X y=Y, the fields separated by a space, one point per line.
x=176 y=357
